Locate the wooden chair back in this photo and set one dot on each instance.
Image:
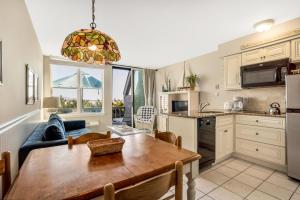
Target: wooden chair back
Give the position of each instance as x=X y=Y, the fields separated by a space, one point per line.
x=169 y=137
x=88 y=137
x=151 y=189
x=5 y=172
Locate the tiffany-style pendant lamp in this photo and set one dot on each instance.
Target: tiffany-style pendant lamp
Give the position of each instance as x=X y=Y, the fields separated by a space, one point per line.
x=90 y=45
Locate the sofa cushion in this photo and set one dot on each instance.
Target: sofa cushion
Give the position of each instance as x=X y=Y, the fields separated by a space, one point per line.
x=53 y=131
x=77 y=132
x=55 y=116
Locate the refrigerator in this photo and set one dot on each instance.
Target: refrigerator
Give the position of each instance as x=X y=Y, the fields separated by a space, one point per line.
x=293 y=125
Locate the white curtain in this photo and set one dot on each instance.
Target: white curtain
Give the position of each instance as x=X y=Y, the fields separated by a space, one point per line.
x=149 y=86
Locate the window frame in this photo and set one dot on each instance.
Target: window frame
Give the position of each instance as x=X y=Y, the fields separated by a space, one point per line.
x=78 y=111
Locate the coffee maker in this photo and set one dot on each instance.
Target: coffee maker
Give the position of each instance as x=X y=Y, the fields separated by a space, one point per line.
x=238 y=104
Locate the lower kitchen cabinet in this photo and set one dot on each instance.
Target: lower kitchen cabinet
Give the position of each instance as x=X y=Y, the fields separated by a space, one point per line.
x=224 y=142
x=162 y=123
x=224 y=136
x=187 y=129
x=262 y=138
x=265 y=152
x=266 y=135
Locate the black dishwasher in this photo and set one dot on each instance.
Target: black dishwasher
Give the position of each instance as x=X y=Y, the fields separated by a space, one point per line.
x=206 y=140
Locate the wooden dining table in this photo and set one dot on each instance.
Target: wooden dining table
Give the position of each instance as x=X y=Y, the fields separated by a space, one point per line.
x=72 y=173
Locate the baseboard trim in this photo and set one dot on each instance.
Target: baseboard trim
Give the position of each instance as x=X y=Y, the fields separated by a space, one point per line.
x=282 y=168
x=10 y=124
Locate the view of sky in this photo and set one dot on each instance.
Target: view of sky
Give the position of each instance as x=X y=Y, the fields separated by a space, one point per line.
x=119 y=80
x=61 y=71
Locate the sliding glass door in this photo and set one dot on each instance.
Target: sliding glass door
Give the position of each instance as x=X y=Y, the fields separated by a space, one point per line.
x=128 y=94
x=138 y=89
x=122 y=96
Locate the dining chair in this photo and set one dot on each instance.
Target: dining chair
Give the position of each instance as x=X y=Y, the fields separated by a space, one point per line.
x=151 y=189
x=5 y=172
x=169 y=137
x=88 y=137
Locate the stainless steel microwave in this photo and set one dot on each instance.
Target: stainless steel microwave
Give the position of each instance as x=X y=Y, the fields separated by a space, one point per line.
x=266 y=74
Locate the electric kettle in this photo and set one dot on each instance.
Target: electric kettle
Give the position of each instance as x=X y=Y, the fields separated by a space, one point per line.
x=274 y=109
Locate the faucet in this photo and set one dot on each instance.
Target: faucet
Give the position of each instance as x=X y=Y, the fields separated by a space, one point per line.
x=201 y=106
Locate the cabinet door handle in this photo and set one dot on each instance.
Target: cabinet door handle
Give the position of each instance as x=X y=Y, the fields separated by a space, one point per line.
x=256 y=149
x=257 y=133
x=256 y=121
x=225 y=131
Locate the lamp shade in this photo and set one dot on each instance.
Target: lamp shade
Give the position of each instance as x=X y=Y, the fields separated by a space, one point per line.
x=51 y=102
x=90 y=46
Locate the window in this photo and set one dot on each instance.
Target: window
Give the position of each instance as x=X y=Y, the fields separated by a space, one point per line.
x=80 y=89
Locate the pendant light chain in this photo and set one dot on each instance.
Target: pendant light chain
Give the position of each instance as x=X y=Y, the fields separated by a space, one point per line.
x=93 y=24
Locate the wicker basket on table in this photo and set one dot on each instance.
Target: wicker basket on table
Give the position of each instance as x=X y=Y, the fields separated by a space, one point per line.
x=106 y=146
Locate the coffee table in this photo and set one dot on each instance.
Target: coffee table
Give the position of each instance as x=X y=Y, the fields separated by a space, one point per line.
x=123 y=130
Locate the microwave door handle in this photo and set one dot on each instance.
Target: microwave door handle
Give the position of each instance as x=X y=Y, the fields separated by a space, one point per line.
x=276 y=74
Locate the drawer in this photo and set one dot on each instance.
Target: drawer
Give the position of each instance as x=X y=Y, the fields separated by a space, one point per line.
x=272 y=122
x=224 y=120
x=261 y=134
x=265 y=152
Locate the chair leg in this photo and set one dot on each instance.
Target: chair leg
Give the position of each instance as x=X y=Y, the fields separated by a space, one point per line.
x=179 y=180
x=6 y=179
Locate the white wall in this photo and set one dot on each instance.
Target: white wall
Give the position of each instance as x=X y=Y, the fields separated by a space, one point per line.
x=20 y=46
x=104 y=119
x=210 y=69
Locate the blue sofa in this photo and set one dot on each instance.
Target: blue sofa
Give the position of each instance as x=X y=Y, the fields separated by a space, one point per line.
x=36 y=140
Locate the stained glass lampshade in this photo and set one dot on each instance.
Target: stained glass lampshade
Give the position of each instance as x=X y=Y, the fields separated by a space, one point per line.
x=91 y=46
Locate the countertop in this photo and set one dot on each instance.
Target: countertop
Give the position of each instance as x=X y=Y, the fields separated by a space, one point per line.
x=216 y=113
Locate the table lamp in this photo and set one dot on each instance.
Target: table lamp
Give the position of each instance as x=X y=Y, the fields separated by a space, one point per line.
x=51 y=103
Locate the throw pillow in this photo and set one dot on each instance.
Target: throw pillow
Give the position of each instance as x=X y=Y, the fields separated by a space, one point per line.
x=53 y=131
x=55 y=116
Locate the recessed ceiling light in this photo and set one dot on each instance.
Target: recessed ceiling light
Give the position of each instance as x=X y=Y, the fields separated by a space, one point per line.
x=264 y=25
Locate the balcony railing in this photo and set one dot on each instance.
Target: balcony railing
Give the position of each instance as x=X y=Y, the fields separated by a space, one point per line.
x=118 y=111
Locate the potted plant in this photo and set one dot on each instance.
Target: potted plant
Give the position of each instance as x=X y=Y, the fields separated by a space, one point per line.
x=192 y=80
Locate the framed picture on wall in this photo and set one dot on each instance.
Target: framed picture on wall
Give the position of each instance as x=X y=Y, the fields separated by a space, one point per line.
x=36 y=87
x=1 y=75
x=29 y=86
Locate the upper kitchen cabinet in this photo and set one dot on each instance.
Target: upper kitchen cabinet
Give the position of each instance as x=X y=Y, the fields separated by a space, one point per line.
x=269 y=53
x=276 y=52
x=251 y=57
x=296 y=50
x=232 y=78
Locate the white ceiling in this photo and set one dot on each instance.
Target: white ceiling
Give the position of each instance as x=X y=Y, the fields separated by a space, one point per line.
x=155 y=33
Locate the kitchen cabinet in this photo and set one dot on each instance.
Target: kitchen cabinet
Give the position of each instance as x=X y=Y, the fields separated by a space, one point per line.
x=261 y=134
x=272 y=122
x=162 y=123
x=261 y=137
x=296 y=50
x=232 y=78
x=251 y=57
x=187 y=129
x=265 y=152
x=224 y=137
x=276 y=52
x=269 y=53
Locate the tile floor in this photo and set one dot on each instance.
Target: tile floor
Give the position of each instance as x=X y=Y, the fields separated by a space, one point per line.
x=235 y=179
